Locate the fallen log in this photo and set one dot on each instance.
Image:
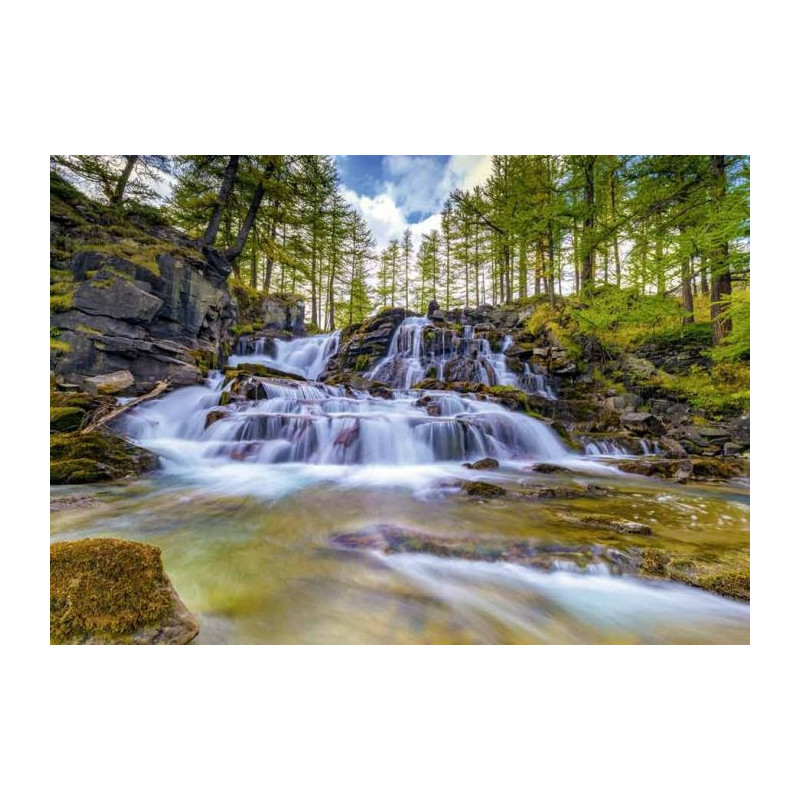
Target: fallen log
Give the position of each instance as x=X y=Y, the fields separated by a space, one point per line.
x=106 y=416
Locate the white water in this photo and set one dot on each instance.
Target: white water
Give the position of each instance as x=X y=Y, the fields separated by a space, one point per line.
x=313 y=425
x=561 y=604
x=419 y=349
x=304 y=357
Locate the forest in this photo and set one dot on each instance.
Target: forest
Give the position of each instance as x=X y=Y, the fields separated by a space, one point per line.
x=665 y=226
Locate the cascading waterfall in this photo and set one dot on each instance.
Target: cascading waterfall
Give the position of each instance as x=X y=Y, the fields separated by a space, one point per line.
x=314 y=423
x=419 y=349
x=304 y=357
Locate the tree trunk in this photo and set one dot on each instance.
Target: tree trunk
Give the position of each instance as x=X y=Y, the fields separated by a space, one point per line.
x=258 y=195
x=720 y=269
x=225 y=189
x=686 y=292
x=617 y=266
x=587 y=271
x=119 y=191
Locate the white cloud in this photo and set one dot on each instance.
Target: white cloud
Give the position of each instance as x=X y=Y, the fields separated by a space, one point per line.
x=416 y=185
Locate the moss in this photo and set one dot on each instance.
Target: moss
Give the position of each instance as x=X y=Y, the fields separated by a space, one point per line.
x=87 y=330
x=71 y=400
x=66 y=419
x=58 y=346
x=362 y=362
x=92 y=457
x=482 y=489
x=723 y=572
x=205 y=359
x=105 y=588
x=61 y=303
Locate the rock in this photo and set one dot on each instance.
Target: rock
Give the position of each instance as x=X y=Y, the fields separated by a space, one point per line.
x=392 y=539
x=73 y=501
x=157 y=311
x=112 y=383
x=623 y=402
x=608 y=523
x=670 y=448
x=95 y=457
x=432 y=307
x=731 y=449
x=674 y=469
x=643 y=423
x=547 y=468
x=110 y=591
x=715 y=468
x=484 y=463
x=215 y=416
x=707 y=433
x=563 y=492
x=482 y=489
x=362 y=347
x=283 y=314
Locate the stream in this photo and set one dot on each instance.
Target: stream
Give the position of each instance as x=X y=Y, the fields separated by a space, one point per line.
x=247 y=509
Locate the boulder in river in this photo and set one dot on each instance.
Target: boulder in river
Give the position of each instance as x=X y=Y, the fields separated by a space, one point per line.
x=609 y=523
x=482 y=489
x=484 y=463
x=110 y=591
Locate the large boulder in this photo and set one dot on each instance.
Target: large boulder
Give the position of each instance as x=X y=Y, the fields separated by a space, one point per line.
x=110 y=591
x=363 y=346
x=112 y=383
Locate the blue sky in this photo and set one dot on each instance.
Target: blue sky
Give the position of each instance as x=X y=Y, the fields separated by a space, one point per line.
x=395 y=192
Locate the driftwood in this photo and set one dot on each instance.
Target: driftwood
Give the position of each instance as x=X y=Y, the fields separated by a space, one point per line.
x=106 y=416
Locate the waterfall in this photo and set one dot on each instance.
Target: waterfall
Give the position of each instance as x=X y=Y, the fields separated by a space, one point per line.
x=313 y=423
x=303 y=357
x=419 y=349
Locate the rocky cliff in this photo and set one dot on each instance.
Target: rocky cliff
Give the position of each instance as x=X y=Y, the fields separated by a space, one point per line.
x=131 y=296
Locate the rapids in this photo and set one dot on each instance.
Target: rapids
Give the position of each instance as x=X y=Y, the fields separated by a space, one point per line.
x=248 y=500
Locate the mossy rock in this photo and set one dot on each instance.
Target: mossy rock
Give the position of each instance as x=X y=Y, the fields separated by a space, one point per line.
x=609 y=523
x=482 y=489
x=727 y=575
x=66 y=419
x=95 y=457
x=110 y=591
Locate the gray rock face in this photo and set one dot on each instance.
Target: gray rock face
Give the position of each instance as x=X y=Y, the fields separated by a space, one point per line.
x=280 y=315
x=153 y=325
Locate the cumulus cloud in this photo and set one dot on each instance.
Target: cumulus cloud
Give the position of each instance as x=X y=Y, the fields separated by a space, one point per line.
x=416 y=186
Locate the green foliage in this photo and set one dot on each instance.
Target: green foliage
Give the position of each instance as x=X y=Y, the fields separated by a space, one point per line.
x=722 y=390
x=737 y=343
x=622 y=318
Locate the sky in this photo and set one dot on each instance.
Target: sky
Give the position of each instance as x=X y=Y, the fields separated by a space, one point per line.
x=398 y=192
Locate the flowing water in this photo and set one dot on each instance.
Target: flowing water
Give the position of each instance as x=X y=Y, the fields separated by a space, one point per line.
x=246 y=509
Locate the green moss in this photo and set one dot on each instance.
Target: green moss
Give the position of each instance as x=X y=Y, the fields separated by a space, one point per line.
x=362 y=362
x=92 y=457
x=57 y=346
x=71 y=400
x=482 y=489
x=105 y=588
x=60 y=303
x=66 y=419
